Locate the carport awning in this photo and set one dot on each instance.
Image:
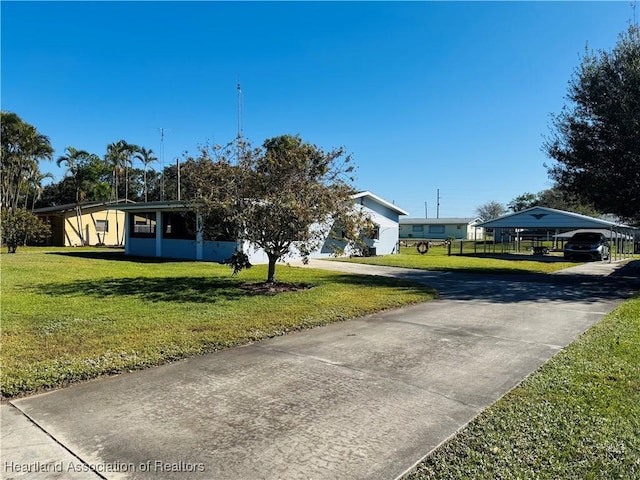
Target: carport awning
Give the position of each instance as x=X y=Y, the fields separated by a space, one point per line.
x=607 y=233
x=543 y=217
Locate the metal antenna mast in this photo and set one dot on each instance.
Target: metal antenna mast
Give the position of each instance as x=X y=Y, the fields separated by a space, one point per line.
x=239 y=110
x=162 y=163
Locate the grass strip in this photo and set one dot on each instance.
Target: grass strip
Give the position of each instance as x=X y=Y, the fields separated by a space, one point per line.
x=438 y=259
x=577 y=417
x=73 y=314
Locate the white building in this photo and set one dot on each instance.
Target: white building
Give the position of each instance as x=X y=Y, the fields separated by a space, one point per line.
x=159 y=229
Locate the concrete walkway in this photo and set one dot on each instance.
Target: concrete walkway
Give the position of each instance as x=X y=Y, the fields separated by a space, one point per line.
x=362 y=399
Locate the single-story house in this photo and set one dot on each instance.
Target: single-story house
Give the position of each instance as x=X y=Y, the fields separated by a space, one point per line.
x=159 y=229
x=92 y=223
x=439 y=228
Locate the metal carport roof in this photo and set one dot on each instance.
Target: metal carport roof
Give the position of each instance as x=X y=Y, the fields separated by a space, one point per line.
x=549 y=218
x=544 y=217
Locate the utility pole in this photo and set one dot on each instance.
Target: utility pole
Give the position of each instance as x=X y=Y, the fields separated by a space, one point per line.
x=438 y=204
x=426 y=214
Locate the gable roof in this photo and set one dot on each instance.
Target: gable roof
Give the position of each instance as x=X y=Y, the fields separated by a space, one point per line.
x=381 y=201
x=438 y=221
x=544 y=217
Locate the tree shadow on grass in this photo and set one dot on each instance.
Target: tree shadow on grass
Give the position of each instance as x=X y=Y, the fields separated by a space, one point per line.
x=164 y=289
x=204 y=289
x=117 y=255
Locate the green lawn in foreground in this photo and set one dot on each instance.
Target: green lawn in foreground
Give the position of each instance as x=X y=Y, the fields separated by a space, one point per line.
x=437 y=259
x=577 y=417
x=73 y=314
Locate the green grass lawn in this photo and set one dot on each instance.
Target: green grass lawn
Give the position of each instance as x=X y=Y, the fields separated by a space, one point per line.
x=577 y=417
x=438 y=259
x=73 y=314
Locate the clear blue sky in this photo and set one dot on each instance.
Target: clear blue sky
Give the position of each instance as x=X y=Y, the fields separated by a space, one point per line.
x=454 y=96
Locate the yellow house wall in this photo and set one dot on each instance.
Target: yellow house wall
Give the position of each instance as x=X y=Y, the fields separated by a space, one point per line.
x=114 y=236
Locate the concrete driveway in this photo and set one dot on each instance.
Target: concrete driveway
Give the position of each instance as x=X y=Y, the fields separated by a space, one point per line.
x=362 y=399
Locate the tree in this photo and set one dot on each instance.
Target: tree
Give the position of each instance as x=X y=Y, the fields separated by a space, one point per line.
x=283 y=197
x=490 y=210
x=561 y=200
x=522 y=202
x=118 y=157
x=19 y=226
x=34 y=185
x=78 y=168
x=22 y=146
x=595 y=140
x=146 y=156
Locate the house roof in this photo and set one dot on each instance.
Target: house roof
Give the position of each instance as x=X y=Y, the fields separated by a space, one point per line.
x=544 y=217
x=175 y=205
x=158 y=205
x=605 y=231
x=381 y=201
x=72 y=206
x=438 y=221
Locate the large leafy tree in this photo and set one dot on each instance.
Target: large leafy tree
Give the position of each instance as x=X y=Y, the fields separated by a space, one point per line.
x=283 y=197
x=19 y=226
x=553 y=197
x=490 y=210
x=22 y=147
x=595 y=140
x=522 y=202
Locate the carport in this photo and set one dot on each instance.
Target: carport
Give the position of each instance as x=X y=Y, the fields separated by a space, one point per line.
x=539 y=219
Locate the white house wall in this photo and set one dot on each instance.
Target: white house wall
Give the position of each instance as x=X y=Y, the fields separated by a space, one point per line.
x=198 y=249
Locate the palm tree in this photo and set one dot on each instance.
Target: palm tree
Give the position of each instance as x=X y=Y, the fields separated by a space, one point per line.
x=146 y=157
x=101 y=192
x=35 y=179
x=118 y=157
x=73 y=159
x=22 y=146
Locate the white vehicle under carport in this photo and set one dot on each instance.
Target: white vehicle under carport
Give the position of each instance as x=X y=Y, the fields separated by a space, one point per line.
x=587 y=245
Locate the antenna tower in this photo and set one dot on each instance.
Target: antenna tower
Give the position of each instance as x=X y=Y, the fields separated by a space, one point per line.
x=239 y=110
x=161 y=163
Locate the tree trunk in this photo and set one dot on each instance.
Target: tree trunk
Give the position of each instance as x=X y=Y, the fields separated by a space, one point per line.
x=271 y=275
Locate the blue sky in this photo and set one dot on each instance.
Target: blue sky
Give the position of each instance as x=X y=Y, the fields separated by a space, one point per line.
x=454 y=96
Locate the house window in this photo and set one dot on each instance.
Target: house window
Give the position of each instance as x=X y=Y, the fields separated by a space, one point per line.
x=417 y=228
x=142 y=225
x=180 y=226
x=436 y=228
x=102 y=226
x=373 y=233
